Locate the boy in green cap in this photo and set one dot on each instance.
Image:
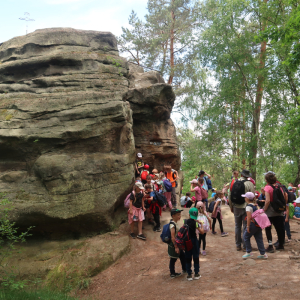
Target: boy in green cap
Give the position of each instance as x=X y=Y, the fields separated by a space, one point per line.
x=173 y=251
x=194 y=253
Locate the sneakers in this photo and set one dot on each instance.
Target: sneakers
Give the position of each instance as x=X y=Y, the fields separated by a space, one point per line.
x=265 y=256
x=158 y=229
x=224 y=234
x=132 y=235
x=279 y=247
x=189 y=277
x=213 y=232
x=141 y=236
x=247 y=255
x=175 y=275
x=270 y=249
x=197 y=276
x=203 y=252
x=289 y=240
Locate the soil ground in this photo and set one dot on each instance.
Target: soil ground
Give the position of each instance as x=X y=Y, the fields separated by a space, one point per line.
x=144 y=272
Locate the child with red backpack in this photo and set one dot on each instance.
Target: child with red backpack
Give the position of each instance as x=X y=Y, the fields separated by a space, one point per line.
x=217 y=214
x=144 y=174
x=194 y=252
x=206 y=222
x=154 y=207
x=136 y=210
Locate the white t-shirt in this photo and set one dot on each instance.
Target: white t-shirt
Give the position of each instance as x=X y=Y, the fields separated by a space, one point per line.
x=219 y=201
x=250 y=208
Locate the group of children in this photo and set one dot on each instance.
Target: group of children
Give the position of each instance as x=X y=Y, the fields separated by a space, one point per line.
x=144 y=199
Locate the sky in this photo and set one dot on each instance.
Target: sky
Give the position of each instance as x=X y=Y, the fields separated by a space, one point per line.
x=99 y=15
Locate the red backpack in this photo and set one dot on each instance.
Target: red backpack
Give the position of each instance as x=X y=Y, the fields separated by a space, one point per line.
x=183 y=240
x=144 y=175
x=204 y=193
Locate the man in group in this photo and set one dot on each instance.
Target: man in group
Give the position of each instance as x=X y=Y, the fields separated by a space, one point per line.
x=205 y=177
x=237 y=205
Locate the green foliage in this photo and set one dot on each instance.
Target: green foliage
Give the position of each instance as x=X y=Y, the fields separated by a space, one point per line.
x=9 y=236
x=33 y=295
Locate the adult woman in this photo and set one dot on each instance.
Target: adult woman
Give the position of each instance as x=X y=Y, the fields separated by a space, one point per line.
x=276 y=218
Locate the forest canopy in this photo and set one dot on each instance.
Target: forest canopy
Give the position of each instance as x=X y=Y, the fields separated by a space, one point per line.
x=234 y=66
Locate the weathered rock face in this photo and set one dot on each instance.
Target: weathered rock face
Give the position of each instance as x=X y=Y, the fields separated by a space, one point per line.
x=67 y=147
x=66 y=142
x=151 y=101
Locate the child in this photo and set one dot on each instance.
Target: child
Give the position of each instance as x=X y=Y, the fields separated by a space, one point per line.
x=216 y=214
x=147 y=201
x=136 y=210
x=206 y=221
x=196 y=187
x=171 y=175
x=139 y=165
x=253 y=229
x=145 y=174
x=190 y=203
x=173 y=251
x=185 y=199
x=138 y=179
x=297 y=209
x=154 y=207
x=194 y=253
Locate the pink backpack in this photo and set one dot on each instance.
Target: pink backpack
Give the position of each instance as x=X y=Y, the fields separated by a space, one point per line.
x=127 y=200
x=204 y=193
x=261 y=218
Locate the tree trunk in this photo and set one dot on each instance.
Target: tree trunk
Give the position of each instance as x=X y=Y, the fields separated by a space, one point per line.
x=257 y=104
x=172 y=45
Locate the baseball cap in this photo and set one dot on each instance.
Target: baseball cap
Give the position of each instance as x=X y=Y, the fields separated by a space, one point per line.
x=269 y=172
x=249 y=195
x=139 y=185
x=139 y=155
x=290 y=188
x=193 y=212
x=174 y=211
x=194 y=181
x=200 y=204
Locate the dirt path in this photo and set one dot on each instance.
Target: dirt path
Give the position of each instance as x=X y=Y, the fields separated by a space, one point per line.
x=144 y=272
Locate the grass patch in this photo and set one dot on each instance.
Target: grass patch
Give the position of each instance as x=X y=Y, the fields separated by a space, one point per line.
x=33 y=295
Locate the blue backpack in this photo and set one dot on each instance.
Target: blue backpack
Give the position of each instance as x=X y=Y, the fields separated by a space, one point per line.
x=209 y=185
x=166 y=233
x=168 y=185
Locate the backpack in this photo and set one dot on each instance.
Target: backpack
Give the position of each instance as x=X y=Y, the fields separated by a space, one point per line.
x=238 y=189
x=183 y=240
x=211 y=206
x=127 y=200
x=291 y=197
x=166 y=233
x=278 y=203
x=209 y=185
x=167 y=185
x=161 y=199
x=144 y=175
x=291 y=210
x=204 y=193
x=205 y=222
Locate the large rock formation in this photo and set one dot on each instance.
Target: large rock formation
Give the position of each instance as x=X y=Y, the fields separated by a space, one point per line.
x=151 y=101
x=66 y=137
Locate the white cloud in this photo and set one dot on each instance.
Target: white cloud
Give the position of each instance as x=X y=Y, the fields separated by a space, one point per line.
x=63 y=1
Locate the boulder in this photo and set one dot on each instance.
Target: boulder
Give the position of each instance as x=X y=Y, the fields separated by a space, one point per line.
x=73 y=115
x=151 y=101
x=66 y=140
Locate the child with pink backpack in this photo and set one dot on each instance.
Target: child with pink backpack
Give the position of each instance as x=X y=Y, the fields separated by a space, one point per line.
x=206 y=225
x=253 y=229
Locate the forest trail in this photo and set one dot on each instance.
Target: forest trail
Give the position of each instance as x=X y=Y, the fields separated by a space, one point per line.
x=144 y=272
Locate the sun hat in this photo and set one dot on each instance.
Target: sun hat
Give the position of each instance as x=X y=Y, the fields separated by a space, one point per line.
x=139 y=185
x=174 y=211
x=200 y=204
x=194 y=181
x=146 y=167
x=290 y=188
x=193 y=212
x=298 y=185
x=249 y=195
x=139 y=155
x=246 y=173
x=297 y=200
x=269 y=172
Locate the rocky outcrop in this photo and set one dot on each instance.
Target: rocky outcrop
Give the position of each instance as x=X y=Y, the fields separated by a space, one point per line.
x=68 y=135
x=151 y=101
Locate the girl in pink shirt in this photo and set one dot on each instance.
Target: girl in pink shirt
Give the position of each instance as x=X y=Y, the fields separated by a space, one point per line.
x=196 y=187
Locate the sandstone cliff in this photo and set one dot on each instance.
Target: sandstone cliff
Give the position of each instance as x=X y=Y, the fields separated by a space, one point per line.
x=67 y=133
